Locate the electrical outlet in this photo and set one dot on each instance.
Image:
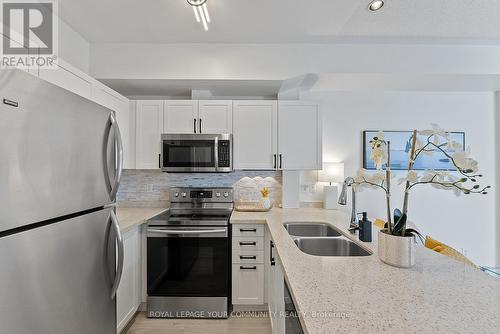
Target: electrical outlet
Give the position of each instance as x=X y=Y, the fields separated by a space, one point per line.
x=307 y=188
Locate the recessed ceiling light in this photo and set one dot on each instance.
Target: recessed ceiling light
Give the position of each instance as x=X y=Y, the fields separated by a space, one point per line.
x=200 y=11
x=375 y=5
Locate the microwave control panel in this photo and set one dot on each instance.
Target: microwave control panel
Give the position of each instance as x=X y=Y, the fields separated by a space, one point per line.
x=224 y=153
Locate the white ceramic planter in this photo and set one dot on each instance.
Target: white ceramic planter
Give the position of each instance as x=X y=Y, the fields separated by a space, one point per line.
x=396 y=251
x=266 y=203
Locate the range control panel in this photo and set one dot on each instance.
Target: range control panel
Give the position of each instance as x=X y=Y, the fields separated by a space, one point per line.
x=221 y=195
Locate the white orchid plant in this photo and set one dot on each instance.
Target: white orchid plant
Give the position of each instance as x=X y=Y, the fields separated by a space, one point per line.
x=462 y=180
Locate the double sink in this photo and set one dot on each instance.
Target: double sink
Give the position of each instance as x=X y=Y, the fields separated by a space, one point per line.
x=321 y=239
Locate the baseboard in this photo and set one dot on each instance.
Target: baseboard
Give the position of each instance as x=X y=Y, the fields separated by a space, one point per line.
x=143 y=307
x=250 y=308
x=128 y=324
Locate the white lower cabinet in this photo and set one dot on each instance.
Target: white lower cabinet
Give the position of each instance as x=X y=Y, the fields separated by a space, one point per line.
x=275 y=289
x=128 y=297
x=248 y=284
x=248 y=272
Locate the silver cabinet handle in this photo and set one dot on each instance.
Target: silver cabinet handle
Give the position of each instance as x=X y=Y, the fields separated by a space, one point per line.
x=119 y=266
x=118 y=157
x=186 y=231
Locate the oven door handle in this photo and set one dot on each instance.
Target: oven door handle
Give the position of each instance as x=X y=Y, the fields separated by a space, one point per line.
x=186 y=231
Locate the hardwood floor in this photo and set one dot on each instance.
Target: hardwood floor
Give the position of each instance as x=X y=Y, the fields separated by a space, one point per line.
x=244 y=325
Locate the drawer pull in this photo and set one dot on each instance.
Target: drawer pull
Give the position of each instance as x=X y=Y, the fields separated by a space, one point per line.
x=248 y=230
x=248 y=257
x=248 y=268
x=244 y=243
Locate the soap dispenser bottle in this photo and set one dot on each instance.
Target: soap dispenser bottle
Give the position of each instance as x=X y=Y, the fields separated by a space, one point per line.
x=365 y=229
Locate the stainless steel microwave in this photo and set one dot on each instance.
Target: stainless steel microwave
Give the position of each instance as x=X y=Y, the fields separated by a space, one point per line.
x=196 y=153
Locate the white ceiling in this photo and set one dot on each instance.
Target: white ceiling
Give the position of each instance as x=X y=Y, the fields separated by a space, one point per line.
x=280 y=21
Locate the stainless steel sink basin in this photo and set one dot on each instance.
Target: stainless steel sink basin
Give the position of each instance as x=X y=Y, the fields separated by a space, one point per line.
x=330 y=247
x=300 y=229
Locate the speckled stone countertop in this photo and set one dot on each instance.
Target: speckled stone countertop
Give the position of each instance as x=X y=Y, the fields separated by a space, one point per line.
x=128 y=218
x=364 y=295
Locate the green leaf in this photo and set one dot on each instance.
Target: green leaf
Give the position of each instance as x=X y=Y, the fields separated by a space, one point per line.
x=399 y=222
x=417 y=233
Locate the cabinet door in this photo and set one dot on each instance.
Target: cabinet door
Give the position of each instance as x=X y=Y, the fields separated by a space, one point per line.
x=215 y=116
x=127 y=296
x=181 y=116
x=248 y=284
x=255 y=134
x=149 y=121
x=69 y=78
x=279 y=299
x=299 y=136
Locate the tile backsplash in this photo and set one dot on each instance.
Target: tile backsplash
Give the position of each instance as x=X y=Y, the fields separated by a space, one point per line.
x=150 y=188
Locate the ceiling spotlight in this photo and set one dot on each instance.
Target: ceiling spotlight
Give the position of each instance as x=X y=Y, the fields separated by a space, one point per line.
x=375 y=5
x=200 y=12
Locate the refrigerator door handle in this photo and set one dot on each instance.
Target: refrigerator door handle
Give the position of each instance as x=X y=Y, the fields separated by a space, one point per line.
x=119 y=266
x=118 y=157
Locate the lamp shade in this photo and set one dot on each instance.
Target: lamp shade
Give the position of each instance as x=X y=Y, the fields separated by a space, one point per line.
x=332 y=172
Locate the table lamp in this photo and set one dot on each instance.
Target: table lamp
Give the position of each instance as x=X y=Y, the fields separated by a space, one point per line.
x=333 y=172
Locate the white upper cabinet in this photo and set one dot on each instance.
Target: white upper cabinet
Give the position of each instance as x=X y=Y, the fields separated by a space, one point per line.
x=255 y=135
x=149 y=126
x=181 y=116
x=69 y=78
x=193 y=116
x=215 y=116
x=299 y=136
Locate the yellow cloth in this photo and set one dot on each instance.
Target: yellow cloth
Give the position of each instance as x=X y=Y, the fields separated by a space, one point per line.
x=379 y=223
x=444 y=249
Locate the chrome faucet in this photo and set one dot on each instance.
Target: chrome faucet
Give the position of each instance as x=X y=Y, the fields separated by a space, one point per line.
x=349 y=182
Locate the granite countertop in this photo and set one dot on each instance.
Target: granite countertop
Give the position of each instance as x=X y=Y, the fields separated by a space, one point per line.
x=364 y=295
x=128 y=218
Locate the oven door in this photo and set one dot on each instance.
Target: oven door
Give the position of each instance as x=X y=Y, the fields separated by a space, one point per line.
x=188 y=261
x=189 y=153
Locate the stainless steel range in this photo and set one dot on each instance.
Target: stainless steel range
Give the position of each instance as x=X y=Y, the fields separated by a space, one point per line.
x=189 y=254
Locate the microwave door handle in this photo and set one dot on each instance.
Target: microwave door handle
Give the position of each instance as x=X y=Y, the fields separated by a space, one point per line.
x=216 y=153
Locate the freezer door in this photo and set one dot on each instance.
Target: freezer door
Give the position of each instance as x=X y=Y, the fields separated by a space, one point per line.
x=56 y=279
x=56 y=148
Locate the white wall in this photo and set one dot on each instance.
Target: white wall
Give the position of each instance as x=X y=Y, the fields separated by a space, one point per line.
x=283 y=61
x=466 y=223
x=73 y=48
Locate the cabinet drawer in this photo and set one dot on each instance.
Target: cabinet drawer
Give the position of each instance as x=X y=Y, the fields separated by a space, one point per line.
x=244 y=256
x=248 y=243
x=247 y=230
x=248 y=284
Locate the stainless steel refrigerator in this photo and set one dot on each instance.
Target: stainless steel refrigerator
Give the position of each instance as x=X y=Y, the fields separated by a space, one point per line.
x=61 y=252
